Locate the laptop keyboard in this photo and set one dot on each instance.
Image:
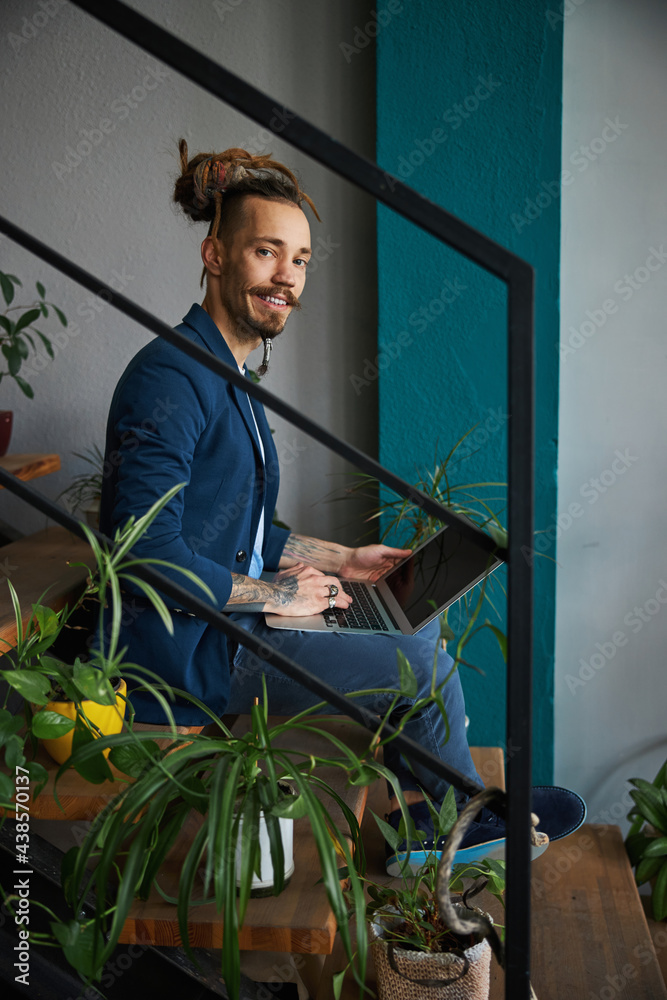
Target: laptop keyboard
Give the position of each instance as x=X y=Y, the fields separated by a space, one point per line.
x=360 y=614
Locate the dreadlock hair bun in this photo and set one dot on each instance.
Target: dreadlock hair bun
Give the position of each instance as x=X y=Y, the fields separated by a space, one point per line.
x=209 y=180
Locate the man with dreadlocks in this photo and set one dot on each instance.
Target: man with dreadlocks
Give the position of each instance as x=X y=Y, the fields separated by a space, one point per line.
x=217 y=442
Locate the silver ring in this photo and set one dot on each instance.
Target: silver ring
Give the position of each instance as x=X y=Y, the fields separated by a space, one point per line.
x=332 y=602
x=333 y=589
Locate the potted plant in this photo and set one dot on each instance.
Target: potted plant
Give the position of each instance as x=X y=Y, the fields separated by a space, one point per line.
x=17 y=335
x=87 y=686
x=85 y=490
x=422 y=937
x=224 y=786
x=646 y=842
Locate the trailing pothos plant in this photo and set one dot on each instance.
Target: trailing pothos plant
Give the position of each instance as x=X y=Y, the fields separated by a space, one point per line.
x=39 y=677
x=18 y=333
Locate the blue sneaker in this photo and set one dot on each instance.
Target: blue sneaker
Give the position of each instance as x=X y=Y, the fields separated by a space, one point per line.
x=560 y=811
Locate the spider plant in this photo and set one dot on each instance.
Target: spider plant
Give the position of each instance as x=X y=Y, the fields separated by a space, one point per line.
x=216 y=784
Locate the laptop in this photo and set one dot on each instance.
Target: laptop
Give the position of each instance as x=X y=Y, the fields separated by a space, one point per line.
x=444 y=568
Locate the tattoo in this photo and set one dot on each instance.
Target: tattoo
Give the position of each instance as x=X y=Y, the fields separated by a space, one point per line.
x=249 y=594
x=323 y=555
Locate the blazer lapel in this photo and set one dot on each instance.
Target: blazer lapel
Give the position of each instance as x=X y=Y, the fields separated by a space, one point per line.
x=201 y=322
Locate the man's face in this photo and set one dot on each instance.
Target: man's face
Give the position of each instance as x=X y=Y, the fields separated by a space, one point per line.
x=264 y=268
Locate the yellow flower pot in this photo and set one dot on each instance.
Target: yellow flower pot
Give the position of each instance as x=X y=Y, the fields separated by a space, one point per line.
x=107 y=718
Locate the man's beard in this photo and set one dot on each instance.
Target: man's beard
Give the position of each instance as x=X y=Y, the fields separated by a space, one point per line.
x=248 y=328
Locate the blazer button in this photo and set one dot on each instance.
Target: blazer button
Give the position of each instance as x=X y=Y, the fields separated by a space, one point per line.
x=241 y=555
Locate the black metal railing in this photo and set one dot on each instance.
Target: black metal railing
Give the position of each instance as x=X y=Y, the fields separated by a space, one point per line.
x=518 y=275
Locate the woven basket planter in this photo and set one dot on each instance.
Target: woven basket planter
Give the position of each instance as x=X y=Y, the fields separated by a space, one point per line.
x=420 y=975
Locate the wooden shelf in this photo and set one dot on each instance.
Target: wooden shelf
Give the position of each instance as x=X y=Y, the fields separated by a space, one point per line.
x=30 y=466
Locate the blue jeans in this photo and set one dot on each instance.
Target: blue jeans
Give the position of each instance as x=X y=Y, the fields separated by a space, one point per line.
x=352 y=662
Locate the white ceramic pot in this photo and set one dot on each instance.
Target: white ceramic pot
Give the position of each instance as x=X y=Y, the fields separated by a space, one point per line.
x=263 y=886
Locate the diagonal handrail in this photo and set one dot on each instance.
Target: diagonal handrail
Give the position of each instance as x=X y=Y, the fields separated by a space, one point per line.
x=519 y=278
x=258 y=392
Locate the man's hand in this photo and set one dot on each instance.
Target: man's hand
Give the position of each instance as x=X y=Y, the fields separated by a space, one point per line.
x=304 y=590
x=370 y=562
x=299 y=590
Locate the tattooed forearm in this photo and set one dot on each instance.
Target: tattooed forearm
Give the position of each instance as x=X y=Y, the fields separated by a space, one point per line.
x=326 y=556
x=252 y=595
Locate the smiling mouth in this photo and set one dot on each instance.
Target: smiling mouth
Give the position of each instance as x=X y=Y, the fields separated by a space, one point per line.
x=274 y=301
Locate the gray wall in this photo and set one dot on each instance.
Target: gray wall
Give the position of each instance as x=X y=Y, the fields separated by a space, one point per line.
x=611 y=687
x=68 y=83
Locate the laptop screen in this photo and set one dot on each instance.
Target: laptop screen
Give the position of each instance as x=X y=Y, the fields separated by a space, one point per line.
x=442 y=570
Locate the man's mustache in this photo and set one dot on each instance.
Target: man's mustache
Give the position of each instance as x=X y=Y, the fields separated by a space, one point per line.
x=283 y=293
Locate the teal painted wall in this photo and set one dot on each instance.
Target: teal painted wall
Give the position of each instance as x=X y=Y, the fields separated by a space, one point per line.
x=469 y=114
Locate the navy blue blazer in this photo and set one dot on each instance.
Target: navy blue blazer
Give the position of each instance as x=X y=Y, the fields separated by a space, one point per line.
x=171 y=421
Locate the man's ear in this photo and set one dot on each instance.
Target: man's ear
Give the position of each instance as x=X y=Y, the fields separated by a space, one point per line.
x=212 y=253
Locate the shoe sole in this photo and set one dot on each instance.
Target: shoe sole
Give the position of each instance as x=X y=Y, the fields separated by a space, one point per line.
x=494 y=849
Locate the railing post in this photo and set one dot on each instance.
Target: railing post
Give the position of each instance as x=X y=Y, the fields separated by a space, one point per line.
x=521 y=446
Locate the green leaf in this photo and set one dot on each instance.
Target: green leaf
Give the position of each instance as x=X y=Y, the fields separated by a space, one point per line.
x=41 y=291
x=448 y=813
x=660 y=895
x=95 y=769
x=131 y=758
x=38 y=776
x=6 y=790
x=656 y=848
x=498 y=534
x=46 y=342
x=647 y=869
x=60 y=314
x=501 y=637
x=337 y=983
x=82 y=946
x=362 y=776
x=47 y=725
x=7 y=324
x=7 y=288
x=9 y=724
x=13 y=358
x=31 y=684
x=649 y=804
x=291 y=807
x=24 y=387
x=27 y=319
x=408 y=681
x=14 y=755
x=392 y=836
x=92 y=683
x=47 y=619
